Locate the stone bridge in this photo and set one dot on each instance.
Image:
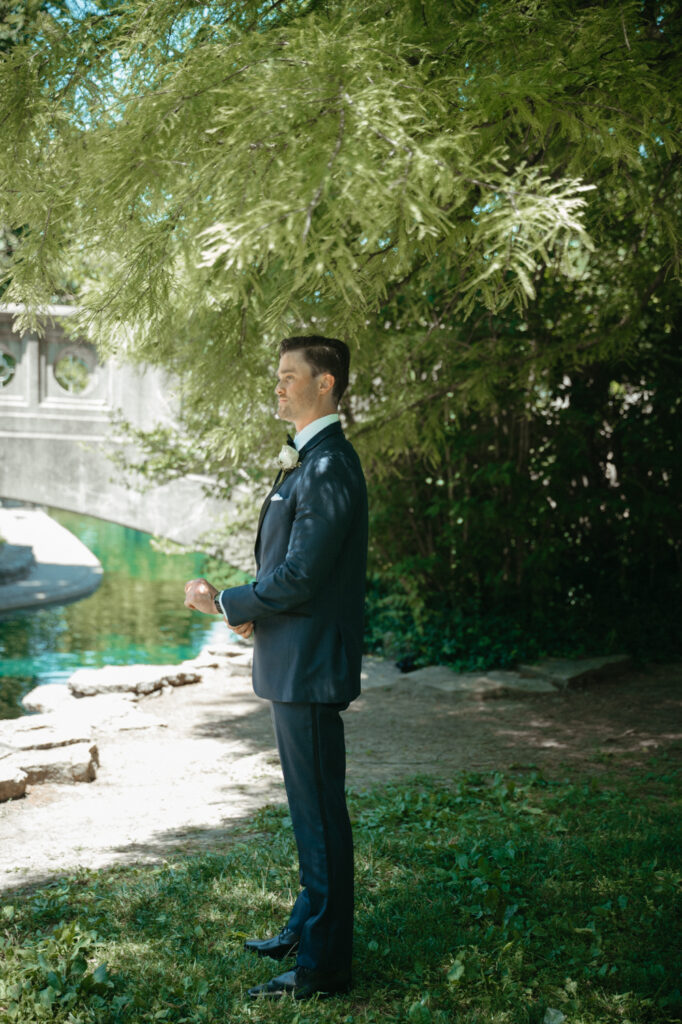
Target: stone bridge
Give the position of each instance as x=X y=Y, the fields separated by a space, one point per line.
x=56 y=404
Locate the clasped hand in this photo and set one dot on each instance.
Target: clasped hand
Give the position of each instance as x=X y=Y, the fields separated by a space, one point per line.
x=199 y=596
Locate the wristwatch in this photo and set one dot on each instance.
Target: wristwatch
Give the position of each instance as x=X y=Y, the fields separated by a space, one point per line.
x=216 y=602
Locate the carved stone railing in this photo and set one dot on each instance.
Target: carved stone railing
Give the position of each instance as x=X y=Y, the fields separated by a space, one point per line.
x=56 y=403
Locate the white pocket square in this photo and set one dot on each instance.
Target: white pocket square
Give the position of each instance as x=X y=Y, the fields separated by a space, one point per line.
x=277 y=497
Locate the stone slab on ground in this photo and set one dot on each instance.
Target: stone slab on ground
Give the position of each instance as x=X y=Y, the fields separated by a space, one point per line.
x=13 y=781
x=139 y=679
x=476 y=685
x=115 y=712
x=565 y=673
x=49 y=697
x=227 y=650
x=110 y=713
x=42 y=732
x=75 y=763
x=376 y=672
x=514 y=684
x=439 y=677
x=184 y=674
x=236 y=658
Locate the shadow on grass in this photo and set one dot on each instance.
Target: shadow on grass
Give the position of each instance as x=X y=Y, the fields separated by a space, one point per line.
x=497 y=897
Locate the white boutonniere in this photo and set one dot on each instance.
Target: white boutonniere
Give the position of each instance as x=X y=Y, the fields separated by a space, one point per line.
x=287 y=458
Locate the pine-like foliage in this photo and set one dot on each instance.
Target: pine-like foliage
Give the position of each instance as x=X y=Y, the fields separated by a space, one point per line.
x=214 y=176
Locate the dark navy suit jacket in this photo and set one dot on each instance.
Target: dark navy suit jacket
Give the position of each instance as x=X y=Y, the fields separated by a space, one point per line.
x=308 y=599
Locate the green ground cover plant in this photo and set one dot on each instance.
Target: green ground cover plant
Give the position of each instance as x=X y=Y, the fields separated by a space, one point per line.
x=509 y=898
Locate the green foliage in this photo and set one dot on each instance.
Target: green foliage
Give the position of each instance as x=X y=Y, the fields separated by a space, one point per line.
x=485 y=199
x=471 y=640
x=12 y=689
x=498 y=897
x=72 y=374
x=52 y=974
x=239 y=171
x=548 y=522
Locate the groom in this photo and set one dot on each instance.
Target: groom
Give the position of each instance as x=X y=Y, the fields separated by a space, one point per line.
x=306 y=614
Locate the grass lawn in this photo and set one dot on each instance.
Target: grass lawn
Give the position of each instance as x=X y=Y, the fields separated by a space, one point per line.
x=499 y=898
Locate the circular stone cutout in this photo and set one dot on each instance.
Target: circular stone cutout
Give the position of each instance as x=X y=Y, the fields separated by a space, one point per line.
x=72 y=373
x=8 y=367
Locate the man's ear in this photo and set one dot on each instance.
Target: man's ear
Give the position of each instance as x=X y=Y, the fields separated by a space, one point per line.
x=326 y=383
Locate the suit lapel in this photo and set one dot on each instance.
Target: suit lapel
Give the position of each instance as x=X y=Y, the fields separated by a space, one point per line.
x=268 y=499
x=331 y=430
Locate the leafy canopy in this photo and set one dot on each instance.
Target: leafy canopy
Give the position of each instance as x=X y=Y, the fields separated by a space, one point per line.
x=214 y=176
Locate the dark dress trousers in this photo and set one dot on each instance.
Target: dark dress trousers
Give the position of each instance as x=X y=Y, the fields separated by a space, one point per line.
x=307 y=608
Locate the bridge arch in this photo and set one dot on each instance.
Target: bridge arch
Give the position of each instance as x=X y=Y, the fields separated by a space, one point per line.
x=57 y=400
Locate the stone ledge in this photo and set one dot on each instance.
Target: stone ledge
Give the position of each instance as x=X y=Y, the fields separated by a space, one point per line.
x=105 y=712
x=50 y=697
x=41 y=732
x=74 y=763
x=565 y=673
x=550 y=676
x=476 y=685
x=138 y=679
x=51 y=747
x=13 y=781
x=238 y=658
x=64 y=569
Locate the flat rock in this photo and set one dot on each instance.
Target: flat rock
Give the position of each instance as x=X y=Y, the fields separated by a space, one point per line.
x=113 y=712
x=49 y=697
x=184 y=674
x=13 y=781
x=477 y=685
x=239 y=664
x=108 y=712
x=42 y=732
x=60 y=701
x=567 y=672
x=205 y=660
x=227 y=650
x=140 y=679
x=75 y=763
x=377 y=672
x=439 y=677
x=516 y=685
x=236 y=658
x=133 y=719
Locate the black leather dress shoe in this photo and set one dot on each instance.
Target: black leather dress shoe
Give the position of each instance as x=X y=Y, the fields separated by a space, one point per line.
x=278 y=947
x=303 y=983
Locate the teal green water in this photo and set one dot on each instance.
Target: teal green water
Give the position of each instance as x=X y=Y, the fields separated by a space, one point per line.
x=136 y=615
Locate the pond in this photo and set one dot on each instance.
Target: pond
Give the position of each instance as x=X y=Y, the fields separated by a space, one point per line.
x=136 y=616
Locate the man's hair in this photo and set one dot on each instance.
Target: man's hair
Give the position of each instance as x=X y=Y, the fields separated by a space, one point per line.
x=325 y=355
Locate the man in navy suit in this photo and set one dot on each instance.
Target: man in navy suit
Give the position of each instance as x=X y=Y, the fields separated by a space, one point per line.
x=305 y=610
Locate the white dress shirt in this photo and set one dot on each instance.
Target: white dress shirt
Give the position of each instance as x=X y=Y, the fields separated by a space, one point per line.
x=313 y=428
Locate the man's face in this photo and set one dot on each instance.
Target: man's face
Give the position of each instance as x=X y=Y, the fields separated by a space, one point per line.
x=297 y=390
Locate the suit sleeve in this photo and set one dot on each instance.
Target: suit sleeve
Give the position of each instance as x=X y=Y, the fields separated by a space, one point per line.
x=327 y=497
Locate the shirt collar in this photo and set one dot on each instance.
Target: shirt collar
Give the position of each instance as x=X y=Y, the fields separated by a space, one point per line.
x=313 y=428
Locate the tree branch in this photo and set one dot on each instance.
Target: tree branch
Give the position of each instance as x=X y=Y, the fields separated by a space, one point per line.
x=330 y=163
